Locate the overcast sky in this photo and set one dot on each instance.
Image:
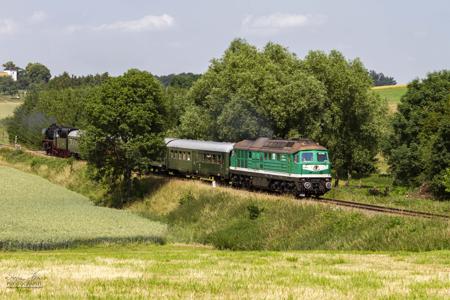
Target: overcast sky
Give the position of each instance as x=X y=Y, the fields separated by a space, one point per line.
x=404 y=39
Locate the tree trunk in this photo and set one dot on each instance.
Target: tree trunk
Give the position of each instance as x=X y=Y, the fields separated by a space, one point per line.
x=336 y=180
x=126 y=185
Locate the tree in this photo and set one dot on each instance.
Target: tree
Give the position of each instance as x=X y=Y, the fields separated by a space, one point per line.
x=10 y=66
x=126 y=120
x=354 y=116
x=37 y=73
x=419 y=147
x=8 y=86
x=269 y=86
x=182 y=80
x=240 y=119
x=379 y=79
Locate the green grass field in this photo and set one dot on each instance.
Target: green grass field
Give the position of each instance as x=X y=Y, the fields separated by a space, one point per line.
x=36 y=214
x=7 y=107
x=197 y=272
x=392 y=93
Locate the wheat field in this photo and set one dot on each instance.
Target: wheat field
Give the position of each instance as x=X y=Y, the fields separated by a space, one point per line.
x=36 y=214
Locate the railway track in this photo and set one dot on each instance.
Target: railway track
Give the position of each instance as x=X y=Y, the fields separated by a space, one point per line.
x=383 y=209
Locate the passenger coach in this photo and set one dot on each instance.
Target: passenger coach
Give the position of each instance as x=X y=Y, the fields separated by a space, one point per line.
x=198 y=158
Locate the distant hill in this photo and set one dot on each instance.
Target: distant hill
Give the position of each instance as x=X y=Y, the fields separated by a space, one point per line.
x=392 y=93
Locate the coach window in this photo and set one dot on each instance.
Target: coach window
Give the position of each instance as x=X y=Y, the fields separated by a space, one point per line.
x=189 y=156
x=283 y=157
x=274 y=156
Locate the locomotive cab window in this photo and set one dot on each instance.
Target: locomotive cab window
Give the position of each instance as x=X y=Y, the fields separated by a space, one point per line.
x=322 y=156
x=307 y=156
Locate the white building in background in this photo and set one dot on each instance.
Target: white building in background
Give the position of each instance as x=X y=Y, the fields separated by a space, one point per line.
x=10 y=73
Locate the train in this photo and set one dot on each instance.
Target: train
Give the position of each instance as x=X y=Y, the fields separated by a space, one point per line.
x=61 y=141
x=301 y=167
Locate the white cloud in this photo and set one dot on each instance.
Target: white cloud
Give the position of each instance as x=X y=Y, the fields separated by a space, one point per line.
x=143 y=24
x=38 y=16
x=146 y=23
x=275 y=22
x=7 y=26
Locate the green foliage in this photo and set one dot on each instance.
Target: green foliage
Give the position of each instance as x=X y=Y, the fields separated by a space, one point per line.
x=379 y=79
x=46 y=216
x=43 y=107
x=182 y=80
x=8 y=86
x=419 y=148
x=11 y=66
x=65 y=80
x=125 y=127
x=37 y=73
x=446 y=180
x=273 y=93
x=354 y=119
x=254 y=211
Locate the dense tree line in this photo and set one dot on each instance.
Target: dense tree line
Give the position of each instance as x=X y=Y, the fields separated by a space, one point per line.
x=379 y=79
x=419 y=147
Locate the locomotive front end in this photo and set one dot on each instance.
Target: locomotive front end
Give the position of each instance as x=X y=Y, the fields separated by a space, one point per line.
x=314 y=168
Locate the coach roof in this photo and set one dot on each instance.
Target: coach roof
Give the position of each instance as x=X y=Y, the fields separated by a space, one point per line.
x=199 y=145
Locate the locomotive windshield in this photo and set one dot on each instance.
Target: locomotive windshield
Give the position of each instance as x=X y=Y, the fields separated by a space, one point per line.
x=322 y=156
x=307 y=156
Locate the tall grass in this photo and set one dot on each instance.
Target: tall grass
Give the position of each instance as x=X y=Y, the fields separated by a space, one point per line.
x=226 y=219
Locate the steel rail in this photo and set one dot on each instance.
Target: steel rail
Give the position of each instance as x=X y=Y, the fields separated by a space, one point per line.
x=385 y=209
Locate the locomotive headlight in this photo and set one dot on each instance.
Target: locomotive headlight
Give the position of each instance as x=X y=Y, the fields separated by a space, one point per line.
x=307 y=185
x=328 y=185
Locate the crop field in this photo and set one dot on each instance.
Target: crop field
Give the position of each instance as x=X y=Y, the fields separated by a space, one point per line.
x=7 y=108
x=36 y=214
x=392 y=93
x=197 y=272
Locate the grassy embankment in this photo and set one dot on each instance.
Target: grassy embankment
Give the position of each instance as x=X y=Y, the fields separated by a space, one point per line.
x=392 y=93
x=233 y=219
x=198 y=272
x=36 y=214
